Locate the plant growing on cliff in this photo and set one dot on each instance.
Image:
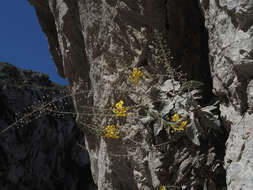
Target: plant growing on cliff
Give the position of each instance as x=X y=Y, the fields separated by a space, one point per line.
x=181 y=101
x=120 y=110
x=135 y=76
x=112 y=132
x=182 y=112
x=176 y=124
x=55 y=103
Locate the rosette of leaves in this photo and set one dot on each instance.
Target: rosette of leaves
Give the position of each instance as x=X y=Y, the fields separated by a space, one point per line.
x=159 y=122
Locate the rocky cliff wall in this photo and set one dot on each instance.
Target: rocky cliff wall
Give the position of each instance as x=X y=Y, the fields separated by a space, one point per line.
x=38 y=146
x=97 y=44
x=230 y=42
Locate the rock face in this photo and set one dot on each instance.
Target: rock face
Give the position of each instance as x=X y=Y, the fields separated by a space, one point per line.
x=96 y=43
x=229 y=23
x=40 y=151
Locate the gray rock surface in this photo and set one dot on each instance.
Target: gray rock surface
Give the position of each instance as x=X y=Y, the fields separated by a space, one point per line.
x=94 y=44
x=229 y=23
x=41 y=150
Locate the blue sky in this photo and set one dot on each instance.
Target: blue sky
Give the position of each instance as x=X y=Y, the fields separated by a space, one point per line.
x=22 y=42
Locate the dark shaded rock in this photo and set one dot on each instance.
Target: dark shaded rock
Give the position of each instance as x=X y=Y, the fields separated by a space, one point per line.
x=229 y=23
x=40 y=151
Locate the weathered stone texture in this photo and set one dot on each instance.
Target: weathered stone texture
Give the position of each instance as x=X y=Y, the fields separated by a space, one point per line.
x=229 y=23
x=96 y=42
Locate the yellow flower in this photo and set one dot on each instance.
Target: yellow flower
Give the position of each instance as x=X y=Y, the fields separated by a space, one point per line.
x=119 y=104
x=183 y=124
x=120 y=109
x=175 y=117
x=135 y=76
x=175 y=127
x=111 y=132
x=162 y=188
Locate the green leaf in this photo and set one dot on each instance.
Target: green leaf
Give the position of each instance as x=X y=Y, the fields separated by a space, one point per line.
x=154 y=92
x=191 y=132
x=157 y=128
x=210 y=120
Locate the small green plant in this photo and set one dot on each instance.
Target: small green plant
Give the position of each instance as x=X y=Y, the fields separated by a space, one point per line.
x=173 y=109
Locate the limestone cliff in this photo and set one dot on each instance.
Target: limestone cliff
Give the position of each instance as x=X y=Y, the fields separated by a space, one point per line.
x=39 y=149
x=97 y=44
x=230 y=42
